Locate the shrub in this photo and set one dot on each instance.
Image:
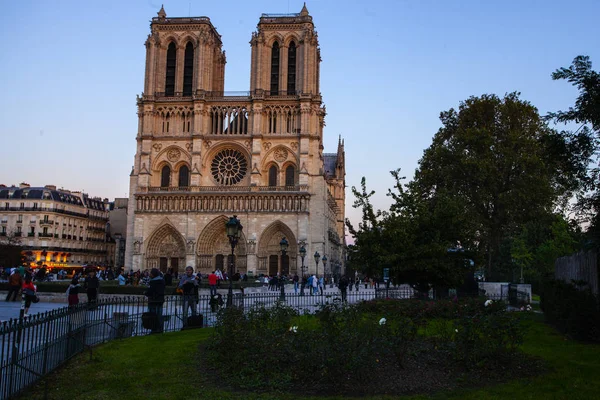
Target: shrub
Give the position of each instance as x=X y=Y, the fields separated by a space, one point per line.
x=573 y=310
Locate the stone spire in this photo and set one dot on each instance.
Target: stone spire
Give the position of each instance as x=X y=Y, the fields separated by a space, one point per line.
x=304 y=11
x=161 y=13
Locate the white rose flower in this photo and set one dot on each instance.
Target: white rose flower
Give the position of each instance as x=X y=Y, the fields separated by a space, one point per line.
x=488 y=302
x=382 y=321
x=293 y=329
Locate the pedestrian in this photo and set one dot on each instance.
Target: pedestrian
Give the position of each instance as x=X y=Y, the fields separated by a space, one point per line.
x=156 y=298
x=73 y=292
x=321 y=285
x=15 y=281
x=91 y=286
x=212 y=283
x=29 y=290
x=343 y=286
x=168 y=278
x=189 y=285
x=315 y=284
x=295 y=279
x=121 y=278
x=356 y=283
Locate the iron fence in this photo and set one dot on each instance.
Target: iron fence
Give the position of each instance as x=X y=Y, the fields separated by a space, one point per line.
x=30 y=348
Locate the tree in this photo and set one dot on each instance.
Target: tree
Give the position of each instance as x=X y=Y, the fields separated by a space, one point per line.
x=587 y=112
x=497 y=155
x=10 y=250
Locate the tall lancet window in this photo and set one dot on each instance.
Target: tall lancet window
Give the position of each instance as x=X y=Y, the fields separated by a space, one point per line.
x=188 y=69
x=275 y=69
x=184 y=176
x=165 y=176
x=273 y=176
x=291 y=77
x=171 y=65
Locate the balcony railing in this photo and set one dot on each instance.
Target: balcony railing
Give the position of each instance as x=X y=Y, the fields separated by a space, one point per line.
x=2 y=233
x=48 y=235
x=46 y=222
x=225 y=189
x=31 y=234
x=17 y=234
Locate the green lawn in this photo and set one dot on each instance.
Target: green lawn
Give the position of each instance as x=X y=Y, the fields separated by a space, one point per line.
x=164 y=367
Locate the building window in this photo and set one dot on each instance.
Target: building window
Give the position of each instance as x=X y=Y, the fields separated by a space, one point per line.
x=170 y=73
x=291 y=78
x=165 y=176
x=290 y=176
x=184 y=176
x=6 y=206
x=273 y=176
x=229 y=167
x=20 y=218
x=188 y=69
x=22 y=206
x=19 y=230
x=275 y=69
x=35 y=206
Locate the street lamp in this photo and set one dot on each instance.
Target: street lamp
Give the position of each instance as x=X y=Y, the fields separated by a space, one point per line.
x=284 y=246
x=234 y=232
x=317 y=258
x=302 y=252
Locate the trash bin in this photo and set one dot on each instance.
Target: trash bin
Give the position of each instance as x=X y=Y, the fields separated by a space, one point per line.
x=122 y=327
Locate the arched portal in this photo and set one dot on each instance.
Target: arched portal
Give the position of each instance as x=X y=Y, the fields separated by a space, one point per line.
x=166 y=249
x=270 y=259
x=214 y=250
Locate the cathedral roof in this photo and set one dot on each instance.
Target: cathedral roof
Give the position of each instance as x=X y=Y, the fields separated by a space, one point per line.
x=329 y=163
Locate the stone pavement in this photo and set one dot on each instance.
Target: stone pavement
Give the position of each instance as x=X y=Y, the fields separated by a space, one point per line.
x=11 y=309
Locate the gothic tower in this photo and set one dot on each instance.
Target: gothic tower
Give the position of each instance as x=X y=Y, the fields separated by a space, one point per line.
x=204 y=155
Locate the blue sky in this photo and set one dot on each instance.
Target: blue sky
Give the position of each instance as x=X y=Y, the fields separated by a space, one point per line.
x=71 y=71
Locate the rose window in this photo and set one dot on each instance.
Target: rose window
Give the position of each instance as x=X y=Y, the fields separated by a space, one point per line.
x=229 y=167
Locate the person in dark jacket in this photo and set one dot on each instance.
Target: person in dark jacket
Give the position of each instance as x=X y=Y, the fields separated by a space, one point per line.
x=156 y=298
x=91 y=285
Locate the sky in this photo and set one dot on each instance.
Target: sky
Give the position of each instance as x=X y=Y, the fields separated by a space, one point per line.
x=72 y=69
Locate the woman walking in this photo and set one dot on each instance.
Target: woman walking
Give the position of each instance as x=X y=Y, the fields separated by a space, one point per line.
x=29 y=290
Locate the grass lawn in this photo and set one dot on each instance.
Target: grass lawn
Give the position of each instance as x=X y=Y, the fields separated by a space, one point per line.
x=164 y=367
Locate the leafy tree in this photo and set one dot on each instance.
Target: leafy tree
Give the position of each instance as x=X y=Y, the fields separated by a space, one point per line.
x=497 y=156
x=586 y=111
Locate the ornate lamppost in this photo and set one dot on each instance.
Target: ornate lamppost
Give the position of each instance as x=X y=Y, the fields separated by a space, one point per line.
x=234 y=232
x=302 y=252
x=317 y=258
x=284 y=246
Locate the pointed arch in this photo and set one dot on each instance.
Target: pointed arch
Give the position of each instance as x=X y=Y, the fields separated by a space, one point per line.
x=269 y=240
x=165 y=176
x=213 y=244
x=165 y=248
x=273 y=172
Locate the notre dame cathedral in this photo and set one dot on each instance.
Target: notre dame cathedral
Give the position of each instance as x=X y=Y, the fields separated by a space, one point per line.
x=204 y=155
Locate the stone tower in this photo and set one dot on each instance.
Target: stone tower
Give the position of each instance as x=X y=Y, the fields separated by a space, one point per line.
x=204 y=155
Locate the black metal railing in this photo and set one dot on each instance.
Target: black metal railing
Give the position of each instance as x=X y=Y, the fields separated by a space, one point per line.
x=31 y=348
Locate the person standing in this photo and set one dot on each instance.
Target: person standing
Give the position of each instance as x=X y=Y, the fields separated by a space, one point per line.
x=189 y=285
x=29 y=290
x=121 y=278
x=91 y=285
x=295 y=279
x=212 y=283
x=15 y=281
x=156 y=298
x=73 y=292
x=321 y=285
x=315 y=285
x=168 y=278
x=343 y=285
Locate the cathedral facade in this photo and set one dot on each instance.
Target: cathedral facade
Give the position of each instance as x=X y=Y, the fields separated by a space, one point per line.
x=204 y=155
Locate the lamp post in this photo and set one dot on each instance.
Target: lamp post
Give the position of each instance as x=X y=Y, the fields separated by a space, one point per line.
x=302 y=252
x=284 y=246
x=234 y=231
x=324 y=268
x=317 y=258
